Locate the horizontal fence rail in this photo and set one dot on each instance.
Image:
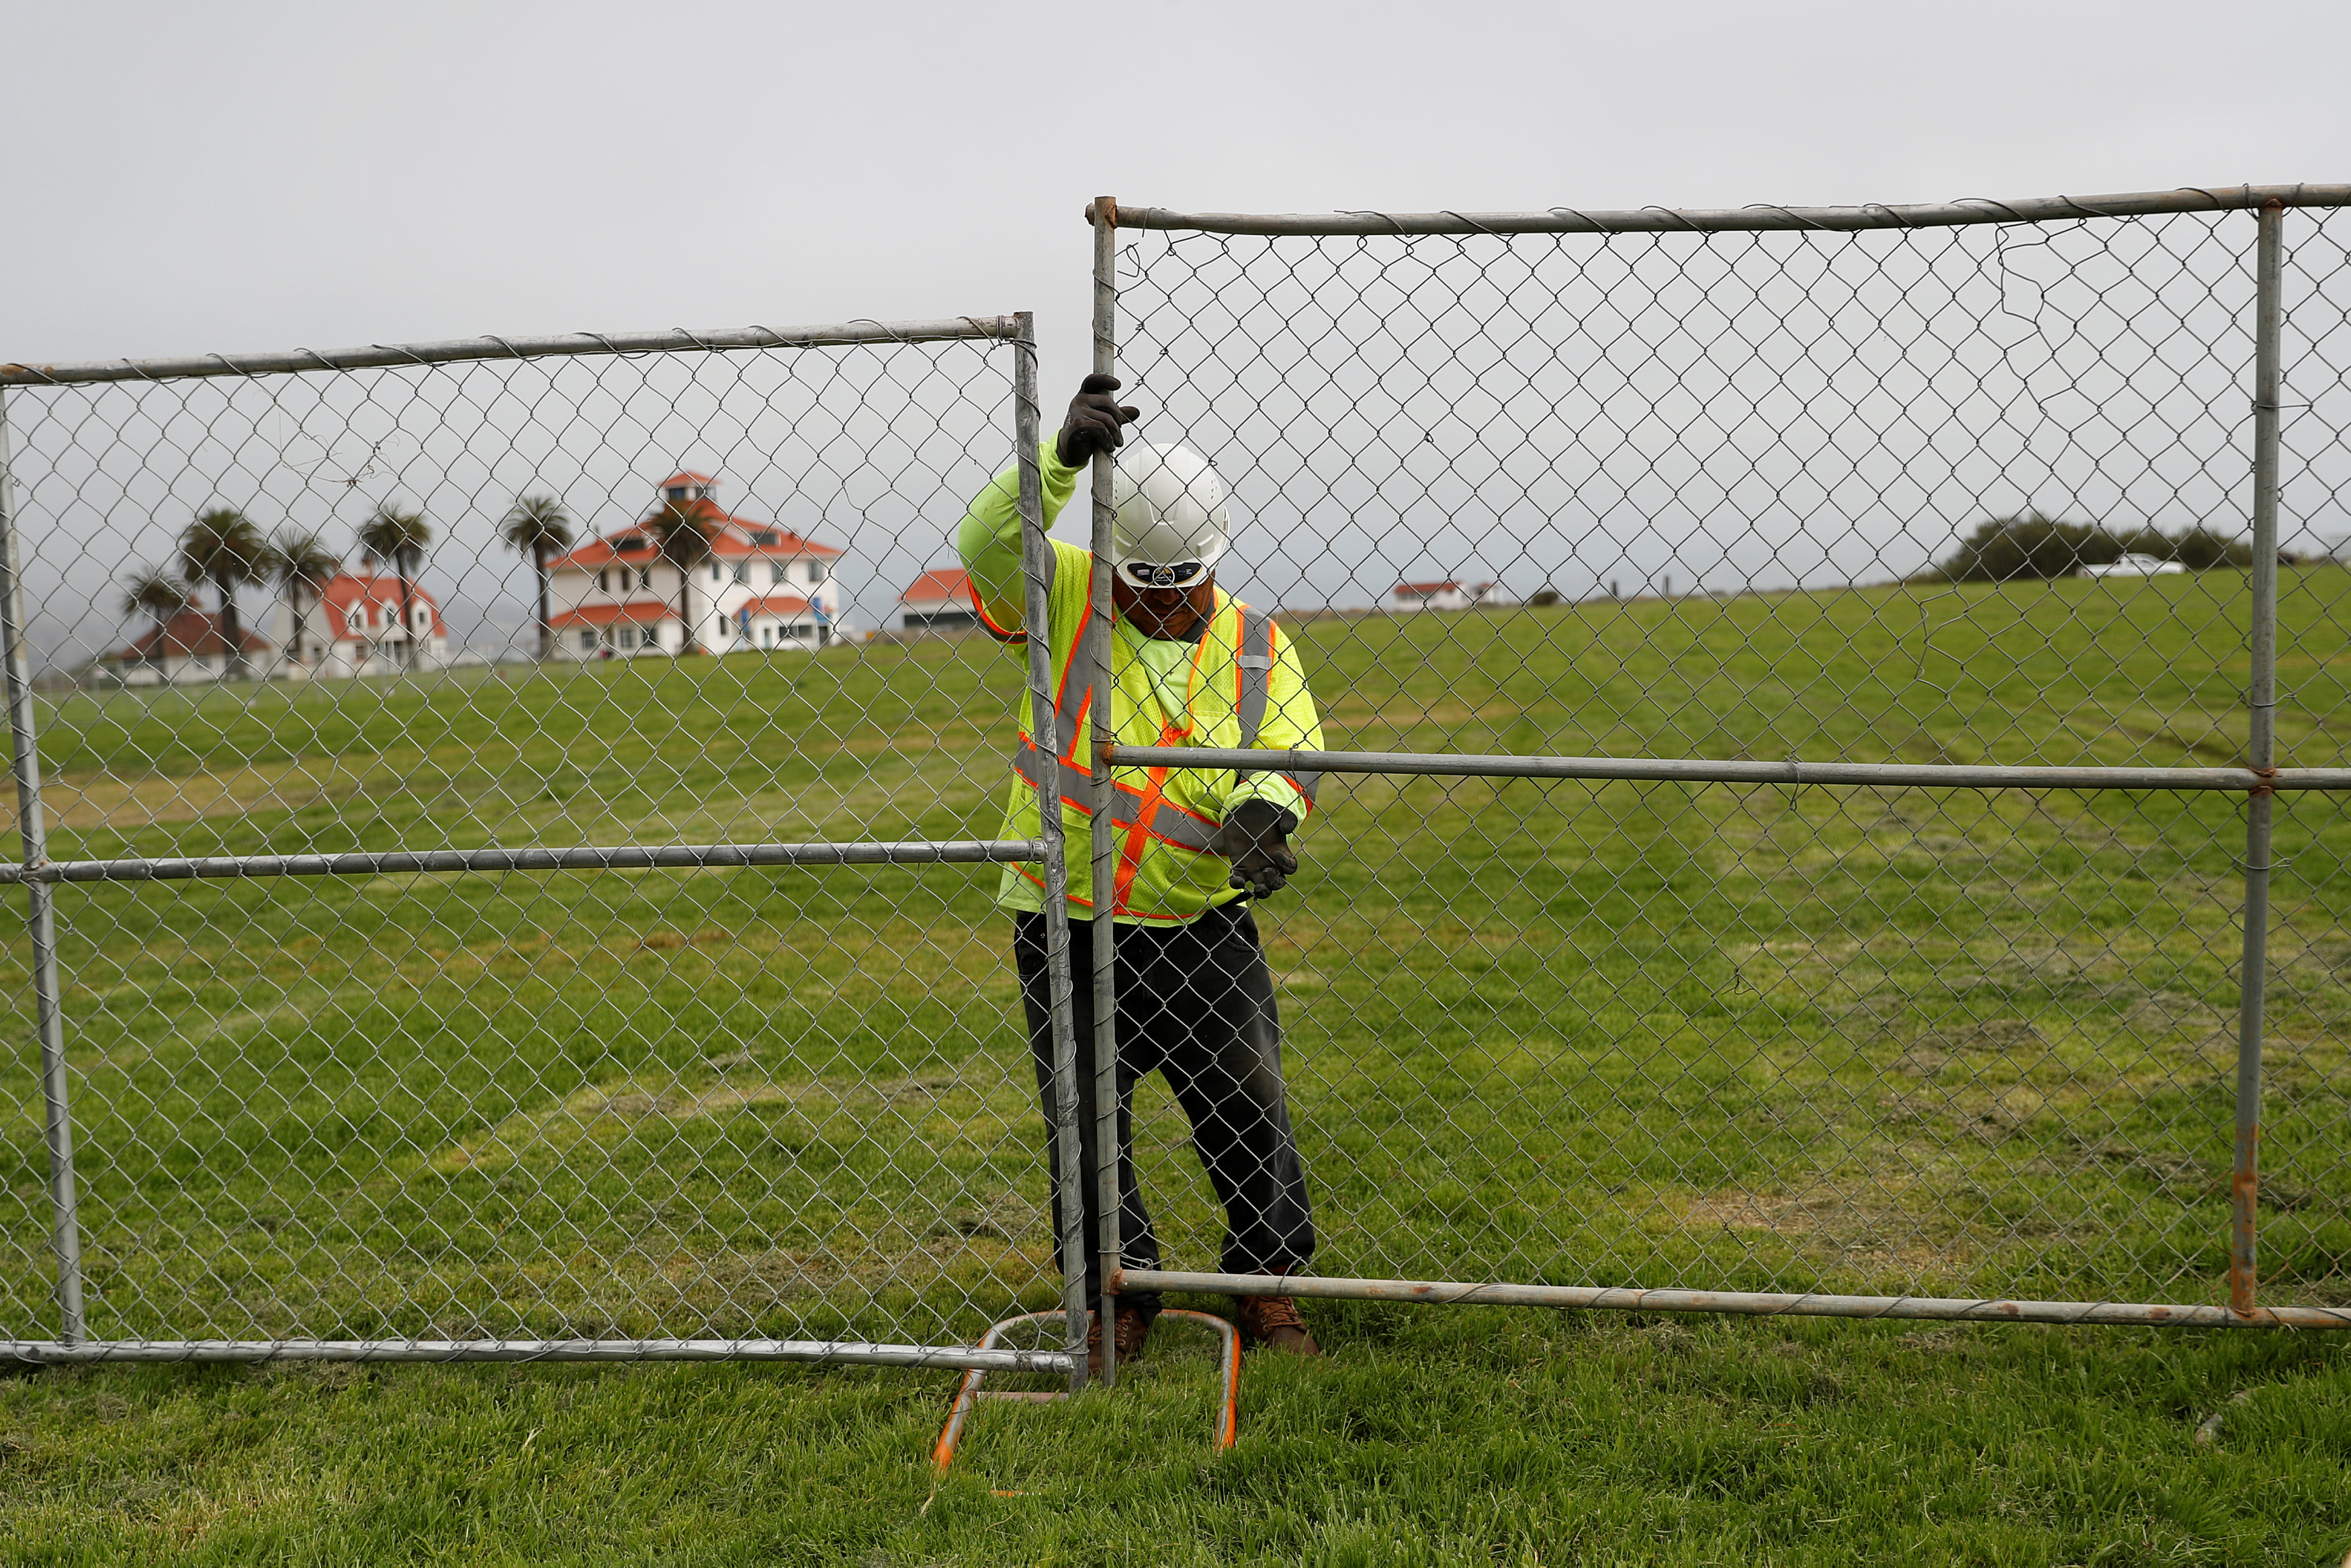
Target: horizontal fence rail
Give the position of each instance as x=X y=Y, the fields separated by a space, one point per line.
x=57 y=1352
x=613 y=857
x=1751 y=1303
x=1703 y=770
x=1736 y=220
x=457 y=350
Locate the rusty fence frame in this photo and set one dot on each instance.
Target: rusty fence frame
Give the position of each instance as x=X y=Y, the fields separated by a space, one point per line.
x=2258 y=781
x=39 y=875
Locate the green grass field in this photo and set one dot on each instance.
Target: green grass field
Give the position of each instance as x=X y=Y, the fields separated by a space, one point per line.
x=1769 y=1039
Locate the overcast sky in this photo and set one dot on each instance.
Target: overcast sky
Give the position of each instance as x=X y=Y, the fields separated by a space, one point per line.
x=187 y=179
x=218 y=177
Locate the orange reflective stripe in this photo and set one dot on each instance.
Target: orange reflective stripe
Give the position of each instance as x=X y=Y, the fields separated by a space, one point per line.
x=1130 y=855
x=1162 y=819
x=988 y=623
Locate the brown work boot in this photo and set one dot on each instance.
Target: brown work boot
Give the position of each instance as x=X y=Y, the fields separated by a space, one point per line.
x=1273 y=1322
x=1129 y=1327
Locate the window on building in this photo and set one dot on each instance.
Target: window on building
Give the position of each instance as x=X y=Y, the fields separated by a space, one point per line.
x=354 y=619
x=764 y=536
x=742 y=573
x=816 y=571
x=675 y=492
x=714 y=570
x=601 y=585
x=628 y=637
x=421 y=617
x=652 y=637
x=776 y=573
x=588 y=641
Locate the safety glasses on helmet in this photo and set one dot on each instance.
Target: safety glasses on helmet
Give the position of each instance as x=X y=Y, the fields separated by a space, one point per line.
x=1161 y=574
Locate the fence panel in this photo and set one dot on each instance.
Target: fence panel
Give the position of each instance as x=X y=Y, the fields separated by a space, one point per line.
x=446 y=942
x=1750 y=491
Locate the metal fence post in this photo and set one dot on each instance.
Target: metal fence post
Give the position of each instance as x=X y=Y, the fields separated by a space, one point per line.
x=25 y=754
x=1037 y=557
x=2260 y=757
x=1107 y=1194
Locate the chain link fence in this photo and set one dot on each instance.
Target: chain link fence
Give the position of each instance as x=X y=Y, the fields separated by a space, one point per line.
x=496 y=888
x=1827 y=708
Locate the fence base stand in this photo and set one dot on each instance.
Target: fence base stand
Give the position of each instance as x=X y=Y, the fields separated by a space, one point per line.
x=1439 y=1293
x=969 y=1394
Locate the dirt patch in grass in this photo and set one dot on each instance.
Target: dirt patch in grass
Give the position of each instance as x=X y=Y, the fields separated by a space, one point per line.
x=1932 y=1052
x=608 y=1110
x=1865 y=1227
x=83 y=801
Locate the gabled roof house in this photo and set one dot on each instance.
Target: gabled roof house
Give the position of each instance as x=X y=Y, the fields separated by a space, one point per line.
x=354 y=626
x=761 y=586
x=191 y=646
x=939 y=600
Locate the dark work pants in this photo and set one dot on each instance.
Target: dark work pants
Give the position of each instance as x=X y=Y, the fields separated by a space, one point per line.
x=1194 y=1004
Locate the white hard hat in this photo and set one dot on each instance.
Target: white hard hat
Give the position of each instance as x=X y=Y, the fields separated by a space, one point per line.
x=1170 y=507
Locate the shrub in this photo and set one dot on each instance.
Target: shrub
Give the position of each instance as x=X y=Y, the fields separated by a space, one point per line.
x=2031 y=547
x=2202 y=550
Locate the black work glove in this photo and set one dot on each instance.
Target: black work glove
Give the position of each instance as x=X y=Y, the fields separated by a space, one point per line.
x=1253 y=840
x=1094 y=421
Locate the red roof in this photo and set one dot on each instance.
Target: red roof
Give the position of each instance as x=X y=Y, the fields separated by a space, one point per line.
x=733 y=538
x=637 y=614
x=345 y=591
x=189 y=633
x=944 y=585
x=776 y=604
x=1406 y=590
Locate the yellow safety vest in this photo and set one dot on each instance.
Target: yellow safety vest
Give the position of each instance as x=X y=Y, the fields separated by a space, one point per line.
x=1246 y=691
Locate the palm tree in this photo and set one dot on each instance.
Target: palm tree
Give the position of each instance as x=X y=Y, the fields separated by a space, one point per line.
x=398 y=538
x=682 y=532
x=302 y=566
x=223 y=548
x=539 y=528
x=159 y=596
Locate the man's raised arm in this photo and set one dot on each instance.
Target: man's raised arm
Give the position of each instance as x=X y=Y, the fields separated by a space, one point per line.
x=989 y=538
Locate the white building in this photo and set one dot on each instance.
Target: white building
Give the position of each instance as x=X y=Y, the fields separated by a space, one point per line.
x=191 y=646
x=761 y=587
x=940 y=600
x=2133 y=567
x=354 y=628
x=1444 y=596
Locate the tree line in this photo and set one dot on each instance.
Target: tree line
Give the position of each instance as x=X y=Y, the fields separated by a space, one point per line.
x=2029 y=546
x=224 y=550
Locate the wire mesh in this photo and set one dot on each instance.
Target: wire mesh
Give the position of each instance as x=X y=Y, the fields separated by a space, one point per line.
x=432 y=618
x=1968 y=493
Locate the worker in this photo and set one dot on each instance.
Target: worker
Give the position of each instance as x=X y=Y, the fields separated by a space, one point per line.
x=1190 y=666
